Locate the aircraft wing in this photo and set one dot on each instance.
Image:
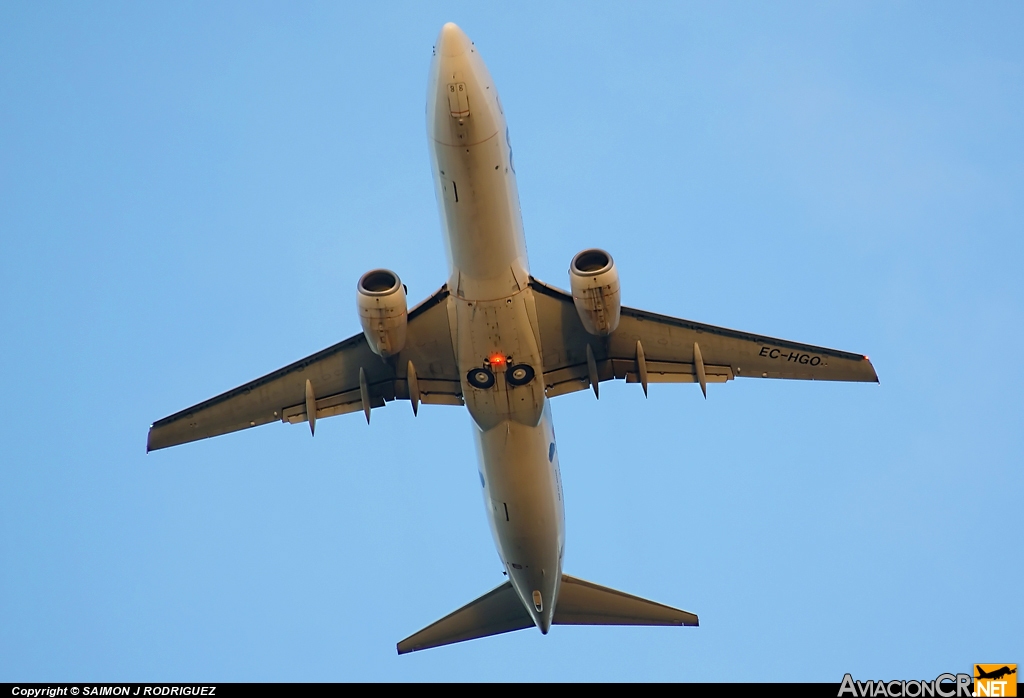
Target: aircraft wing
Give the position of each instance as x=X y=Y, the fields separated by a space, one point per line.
x=651 y=348
x=334 y=376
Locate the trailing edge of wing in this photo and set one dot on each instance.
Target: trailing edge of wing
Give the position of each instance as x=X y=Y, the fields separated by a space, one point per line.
x=585 y=603
x=498 y=611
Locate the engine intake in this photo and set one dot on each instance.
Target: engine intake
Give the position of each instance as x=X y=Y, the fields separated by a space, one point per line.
x=595 y=291
x=383 y=312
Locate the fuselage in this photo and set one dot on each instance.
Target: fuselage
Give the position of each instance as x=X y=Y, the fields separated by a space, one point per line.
x=493 y=320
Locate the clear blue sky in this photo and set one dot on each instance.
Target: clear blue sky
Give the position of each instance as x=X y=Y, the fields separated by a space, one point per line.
x=189 y=192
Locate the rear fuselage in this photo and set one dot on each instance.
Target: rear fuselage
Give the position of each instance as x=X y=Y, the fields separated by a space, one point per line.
x=493 y=320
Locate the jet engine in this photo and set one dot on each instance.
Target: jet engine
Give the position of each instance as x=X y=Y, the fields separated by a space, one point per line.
x=595 y=291
x=383 y=312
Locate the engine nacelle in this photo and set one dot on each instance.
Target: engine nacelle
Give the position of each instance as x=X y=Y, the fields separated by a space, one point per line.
x=595 y=291
x=383 y=312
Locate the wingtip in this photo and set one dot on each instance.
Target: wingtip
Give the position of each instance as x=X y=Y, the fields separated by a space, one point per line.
x=873 y=371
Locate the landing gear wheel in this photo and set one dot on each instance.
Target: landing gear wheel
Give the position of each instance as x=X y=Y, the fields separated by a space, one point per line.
x=520 y=374
x=480 y=378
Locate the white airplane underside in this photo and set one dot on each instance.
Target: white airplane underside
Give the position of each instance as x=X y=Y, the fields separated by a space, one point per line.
x=501 y=343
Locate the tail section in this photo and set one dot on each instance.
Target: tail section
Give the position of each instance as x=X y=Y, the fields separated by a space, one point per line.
x=579 y=603
x=584 y=603
x=498 y=611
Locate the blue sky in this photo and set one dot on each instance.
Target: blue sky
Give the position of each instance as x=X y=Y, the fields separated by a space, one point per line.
x=189 y=192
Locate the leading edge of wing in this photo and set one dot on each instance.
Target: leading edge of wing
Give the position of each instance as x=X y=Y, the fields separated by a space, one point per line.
x=559 y=294
x=439 y=296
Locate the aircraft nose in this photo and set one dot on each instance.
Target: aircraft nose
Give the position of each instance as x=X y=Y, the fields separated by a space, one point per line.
x=452 y=41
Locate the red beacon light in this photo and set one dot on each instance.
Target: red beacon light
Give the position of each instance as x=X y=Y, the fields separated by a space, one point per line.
x=497 y=359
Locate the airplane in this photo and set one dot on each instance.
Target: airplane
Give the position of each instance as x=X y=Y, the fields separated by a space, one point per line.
x=995 y=674
x=503 y=344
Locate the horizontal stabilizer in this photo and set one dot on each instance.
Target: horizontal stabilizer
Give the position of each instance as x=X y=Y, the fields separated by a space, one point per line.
x=583 y=603
x=579 y=603
x=497 y=611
